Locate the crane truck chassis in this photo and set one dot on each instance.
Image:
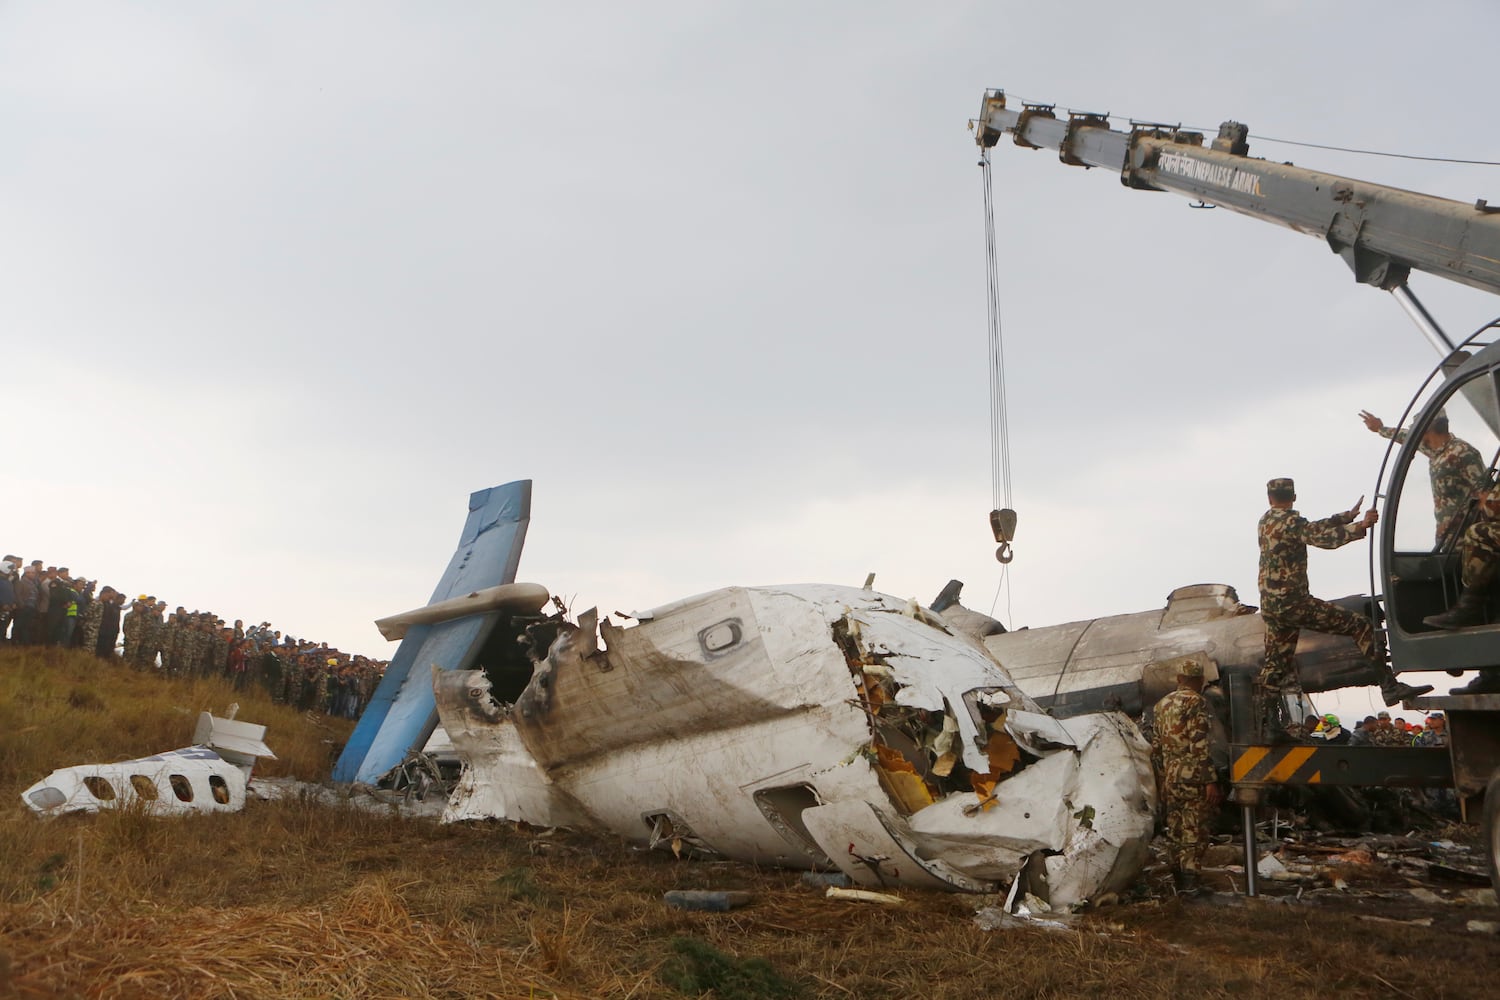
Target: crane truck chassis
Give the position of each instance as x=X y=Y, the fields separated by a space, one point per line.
x=1383 y=233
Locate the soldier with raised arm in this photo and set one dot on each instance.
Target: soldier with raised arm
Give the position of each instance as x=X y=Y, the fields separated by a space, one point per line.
x=1455 y=466
x=1287 y=607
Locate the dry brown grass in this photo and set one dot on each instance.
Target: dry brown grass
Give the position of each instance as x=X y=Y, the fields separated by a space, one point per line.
x=297 y=899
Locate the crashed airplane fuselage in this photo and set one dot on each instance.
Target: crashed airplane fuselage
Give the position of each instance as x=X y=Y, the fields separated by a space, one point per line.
x=807 y=726
x=1126 y=662
x=212 y=775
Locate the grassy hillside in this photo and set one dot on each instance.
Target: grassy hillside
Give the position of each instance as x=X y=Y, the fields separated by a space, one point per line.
x=298 y=899
x=59 y=708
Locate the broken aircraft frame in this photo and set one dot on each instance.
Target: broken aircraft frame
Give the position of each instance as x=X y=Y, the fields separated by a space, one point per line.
x=808 y=726
x=1127 y=662
x=212 y=775
x=812 y=726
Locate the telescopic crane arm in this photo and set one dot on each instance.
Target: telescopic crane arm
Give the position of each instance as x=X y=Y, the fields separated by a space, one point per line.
x=1382 y=232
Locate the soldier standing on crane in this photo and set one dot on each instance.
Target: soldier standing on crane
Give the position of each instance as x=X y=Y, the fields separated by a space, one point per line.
x=1287 y=607
x=1458 y=472
x=1189 y=786
x=1480 y=568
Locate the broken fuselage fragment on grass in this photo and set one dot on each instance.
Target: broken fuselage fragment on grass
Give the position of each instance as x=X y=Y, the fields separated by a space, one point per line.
x=809 y=726
x=210 y=776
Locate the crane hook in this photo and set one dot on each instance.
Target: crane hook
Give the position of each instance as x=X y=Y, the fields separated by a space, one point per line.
x=1003 y=524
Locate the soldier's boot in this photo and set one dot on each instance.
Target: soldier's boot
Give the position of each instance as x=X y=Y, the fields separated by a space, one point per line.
x=1487 y=682
x=1394 y=692
x=1468 y=612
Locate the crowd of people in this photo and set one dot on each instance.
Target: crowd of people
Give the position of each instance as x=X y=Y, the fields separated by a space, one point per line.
x=1375 y=731
x=47 y=606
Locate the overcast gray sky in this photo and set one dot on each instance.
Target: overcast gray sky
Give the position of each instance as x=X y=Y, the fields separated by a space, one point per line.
x=282 y=283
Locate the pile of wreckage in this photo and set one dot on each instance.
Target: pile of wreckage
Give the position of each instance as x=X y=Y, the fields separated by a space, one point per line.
x=834 y=729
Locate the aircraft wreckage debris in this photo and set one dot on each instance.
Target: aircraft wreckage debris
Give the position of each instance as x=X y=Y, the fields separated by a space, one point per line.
x=210 y=776
x=863 y=896
x=705 y=899
x=808 y=726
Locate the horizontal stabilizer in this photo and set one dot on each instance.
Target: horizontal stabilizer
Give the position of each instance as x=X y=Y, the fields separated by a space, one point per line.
x=512 y=598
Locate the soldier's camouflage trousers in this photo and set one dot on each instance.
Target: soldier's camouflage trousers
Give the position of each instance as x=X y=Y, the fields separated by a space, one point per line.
x=1188 y=818
x=90 y=634
x=1481 y=554
x=1283 y=626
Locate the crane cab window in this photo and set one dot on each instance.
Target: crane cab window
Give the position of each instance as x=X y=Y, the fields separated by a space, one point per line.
x=1436 y=491
x=1431 y=497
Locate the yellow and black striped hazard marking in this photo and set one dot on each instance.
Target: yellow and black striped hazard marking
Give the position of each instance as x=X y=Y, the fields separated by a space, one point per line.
x=1300 y=764
x=1289 y=765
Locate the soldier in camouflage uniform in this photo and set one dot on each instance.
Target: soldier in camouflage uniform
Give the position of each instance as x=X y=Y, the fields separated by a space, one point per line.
x=93 y=615
x=1287 y=607
x=218 y=649
x=156 y=634
x=197 y=646
x=1190 y=790
x=1480 y=568
x=1458 y=472
x=1387 y=735
x=131 y=627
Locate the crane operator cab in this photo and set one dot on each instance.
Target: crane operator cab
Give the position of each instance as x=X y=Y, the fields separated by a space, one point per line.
x=1439 y=557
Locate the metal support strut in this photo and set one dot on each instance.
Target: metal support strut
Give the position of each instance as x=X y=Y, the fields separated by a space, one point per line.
x=1247 y=815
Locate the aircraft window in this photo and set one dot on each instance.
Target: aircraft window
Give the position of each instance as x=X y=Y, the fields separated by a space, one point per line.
x=1426 y=521
x=719 y=637
x=219 y=788
x=182 y=788
x=100 y=788
x=48 y=798
x=144 y=787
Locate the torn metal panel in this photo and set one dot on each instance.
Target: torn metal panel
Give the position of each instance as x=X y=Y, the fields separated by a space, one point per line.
x=240 y=743
x=500 y=778
x=808 y=726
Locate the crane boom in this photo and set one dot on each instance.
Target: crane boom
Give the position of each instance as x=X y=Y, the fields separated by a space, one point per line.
x=1382 y=232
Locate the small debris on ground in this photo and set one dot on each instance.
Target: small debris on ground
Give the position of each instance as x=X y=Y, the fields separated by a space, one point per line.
x=706 y=899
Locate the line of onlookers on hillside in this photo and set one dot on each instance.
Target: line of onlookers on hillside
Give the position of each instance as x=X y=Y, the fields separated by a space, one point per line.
x=47 y=606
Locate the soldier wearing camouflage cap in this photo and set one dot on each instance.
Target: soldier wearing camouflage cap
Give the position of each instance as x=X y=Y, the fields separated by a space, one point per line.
x=1457 y=471
x=1287 y=607
x=1190 y=791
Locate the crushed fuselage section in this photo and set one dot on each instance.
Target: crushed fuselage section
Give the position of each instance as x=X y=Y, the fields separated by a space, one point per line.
x=809 y=726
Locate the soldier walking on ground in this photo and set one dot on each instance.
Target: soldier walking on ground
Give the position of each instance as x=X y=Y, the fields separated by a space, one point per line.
x=1189 y=786
x=1458 y=472
x=1285 y=603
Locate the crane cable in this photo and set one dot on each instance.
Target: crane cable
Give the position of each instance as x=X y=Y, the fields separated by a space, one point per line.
x=1002 y=517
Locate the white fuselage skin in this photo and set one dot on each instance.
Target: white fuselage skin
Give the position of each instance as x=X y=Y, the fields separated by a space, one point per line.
x=734 y=722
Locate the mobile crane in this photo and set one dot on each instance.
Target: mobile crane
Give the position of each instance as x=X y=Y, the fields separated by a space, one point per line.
x=1383 y=233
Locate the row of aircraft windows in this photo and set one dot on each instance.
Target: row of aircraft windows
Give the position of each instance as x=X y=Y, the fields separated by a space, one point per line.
x=146 y=789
